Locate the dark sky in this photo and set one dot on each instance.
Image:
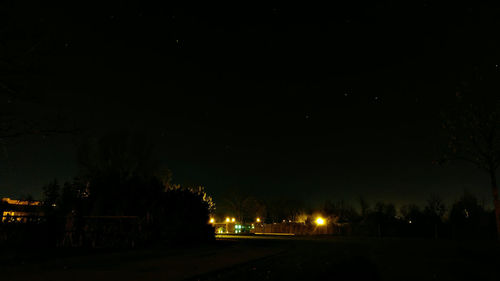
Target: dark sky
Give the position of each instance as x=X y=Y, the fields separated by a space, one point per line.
x=302 y=101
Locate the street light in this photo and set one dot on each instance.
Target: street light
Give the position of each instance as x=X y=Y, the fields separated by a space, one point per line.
x=257 y=220
x=320 y=221
x=228 y=219
x=212 y=220
x=233 y=220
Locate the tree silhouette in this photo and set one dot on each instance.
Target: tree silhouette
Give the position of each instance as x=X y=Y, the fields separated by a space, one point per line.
x=474 y=136
x=364 y=206
x=434 y=211
x=341 y=211
x=467 y=216
x=244 y=207
x=51 y=193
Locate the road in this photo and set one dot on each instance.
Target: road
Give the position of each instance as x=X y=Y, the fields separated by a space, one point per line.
x=272 y=258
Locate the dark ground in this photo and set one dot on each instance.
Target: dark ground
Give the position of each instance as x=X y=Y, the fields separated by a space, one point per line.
x=270 y=258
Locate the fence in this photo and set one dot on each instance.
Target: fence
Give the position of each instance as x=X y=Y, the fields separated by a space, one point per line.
x=298 y=228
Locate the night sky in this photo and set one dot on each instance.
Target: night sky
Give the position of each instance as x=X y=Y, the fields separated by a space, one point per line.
x=302 y=101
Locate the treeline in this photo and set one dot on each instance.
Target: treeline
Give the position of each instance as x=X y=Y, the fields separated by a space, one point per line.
x=466 y=218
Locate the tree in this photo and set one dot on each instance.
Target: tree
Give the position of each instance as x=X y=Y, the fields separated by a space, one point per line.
x=341 y=211
x=468 y=216
x=253 y=208
x=124 y=154
x=435 y=207
x=73 y=193
x=280 y=209
x=182 y=214
x=364 y=206
x=434 y=211
x=411 y=213
x=473 y=132
x=235 y=203
x=121 y=174
x=51 y=193
x=383 y=214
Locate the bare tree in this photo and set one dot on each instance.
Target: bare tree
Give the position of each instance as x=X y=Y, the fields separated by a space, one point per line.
x=474 y=136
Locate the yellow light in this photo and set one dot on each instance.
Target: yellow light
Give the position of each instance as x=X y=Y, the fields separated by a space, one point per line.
x=19 y=202
x=320 y=221
x=233 y=220
x=228 y=219
x=258 y=220
x=212 y=220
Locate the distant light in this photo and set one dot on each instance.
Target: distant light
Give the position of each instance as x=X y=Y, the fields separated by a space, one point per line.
x=233 y=220
x=257 y=220
x=409 y=221
x=228 y=219
x=212 y=220
x=320 y=221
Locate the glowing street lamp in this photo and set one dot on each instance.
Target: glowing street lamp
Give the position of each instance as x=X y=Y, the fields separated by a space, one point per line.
x=212 y=220
x=257 y=220
x=320 y=221
x=228 y=219
x=233 y=220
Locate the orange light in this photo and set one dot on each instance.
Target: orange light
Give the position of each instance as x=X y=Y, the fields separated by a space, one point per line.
x=212 y=220
x=233 y=220
x=228 y=219
x=20 y=202
x=257 y=220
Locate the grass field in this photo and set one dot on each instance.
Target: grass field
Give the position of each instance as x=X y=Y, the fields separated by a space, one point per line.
x=269 y=258
x=336 y=258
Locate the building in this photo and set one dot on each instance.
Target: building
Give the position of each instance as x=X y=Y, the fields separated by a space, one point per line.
x=230 y=226
x=13 y=210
